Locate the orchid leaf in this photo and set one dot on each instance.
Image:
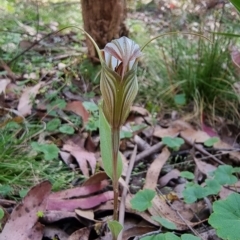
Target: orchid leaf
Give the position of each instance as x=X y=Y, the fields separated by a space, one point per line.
x=105 y=145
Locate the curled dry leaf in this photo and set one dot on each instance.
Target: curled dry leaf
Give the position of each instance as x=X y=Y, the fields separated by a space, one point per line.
x=51 y=231
x=26 y=100
x=161 y=208
x=3 y=85
x=78 y=108
x=140 y=110
x=155 y=169
x=83 y=157
x=96 y=178
x=81 y=234
x=88 y=214
x=165 y=132
x=173 y=174
x=24 y=219
x=193 y=136
x=54 y=216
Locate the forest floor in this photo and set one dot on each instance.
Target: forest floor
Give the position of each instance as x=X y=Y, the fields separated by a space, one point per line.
x=180 y=141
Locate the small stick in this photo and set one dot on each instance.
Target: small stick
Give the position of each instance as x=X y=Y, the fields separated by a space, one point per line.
x=202 y=150
x=155 y=148
x=124 y=193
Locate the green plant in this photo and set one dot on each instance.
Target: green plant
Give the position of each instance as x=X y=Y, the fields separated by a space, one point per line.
x=170 y=236
x=224 y=174
x=20 y=169
x=1 y=217
x=225 y=217
x=173 y=143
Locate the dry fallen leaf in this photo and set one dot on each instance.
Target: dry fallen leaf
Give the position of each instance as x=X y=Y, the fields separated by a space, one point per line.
x=161 y=208
x=88 y=214
x=3 y=85
x=155 y=169
x=83 y=157
x=193 y=136
x=204 y=167
x=81 y=234
x=173 y=174
x=83 y=203
x=140 y=110
x=78 y=108
x=26 y=100
x=23 y=223
x=235 y=155
x=165 y=132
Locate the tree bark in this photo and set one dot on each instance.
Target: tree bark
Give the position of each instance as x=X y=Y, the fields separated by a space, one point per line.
x=104 y=21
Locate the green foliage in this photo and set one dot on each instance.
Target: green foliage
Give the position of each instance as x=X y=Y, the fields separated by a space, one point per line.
x=187 y=175
x=221 y=176
x=1 y=213
x=115 y=228
x=93 y=121
x=67 y=129
x=236 y=4
x=1 y=217
x=106 y=147
x=225 y=217
x=50 y=151
x=164 y=222
x=125 y=134
x=143 y=200
x=211 y=141
x=53 y=124
x=180 y=99
x=174 y=143
x=23 y=192
x=5 y=190
x=192 y=192
x=170 y=236
x=40 y=214
x=180 y=71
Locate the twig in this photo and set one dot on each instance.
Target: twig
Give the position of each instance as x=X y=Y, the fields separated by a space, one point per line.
x=202 y=150
x=124 y=193
x=155 y=148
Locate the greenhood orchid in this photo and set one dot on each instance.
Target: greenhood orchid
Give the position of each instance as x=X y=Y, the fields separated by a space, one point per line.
x=118 y=83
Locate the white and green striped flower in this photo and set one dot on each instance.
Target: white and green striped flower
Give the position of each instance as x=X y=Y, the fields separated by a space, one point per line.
x=118 y=82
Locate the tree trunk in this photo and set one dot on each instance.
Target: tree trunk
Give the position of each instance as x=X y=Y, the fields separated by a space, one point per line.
x=104 y=21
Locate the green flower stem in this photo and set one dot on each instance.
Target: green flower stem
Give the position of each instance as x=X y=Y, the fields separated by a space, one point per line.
x=115 y=149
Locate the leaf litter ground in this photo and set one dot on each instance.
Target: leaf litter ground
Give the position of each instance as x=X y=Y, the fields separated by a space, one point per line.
x=173 y=157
